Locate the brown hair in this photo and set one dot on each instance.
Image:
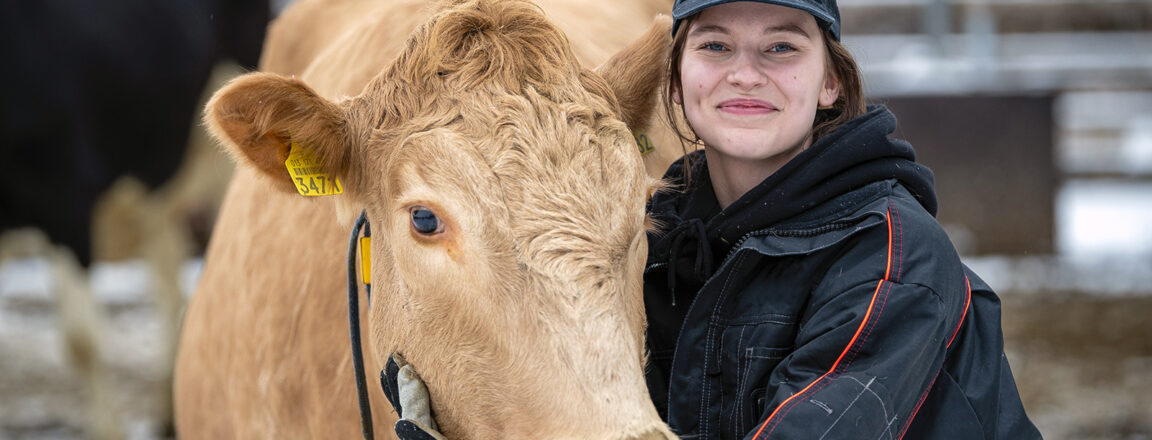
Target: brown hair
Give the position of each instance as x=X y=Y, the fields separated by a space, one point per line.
x=849 y=103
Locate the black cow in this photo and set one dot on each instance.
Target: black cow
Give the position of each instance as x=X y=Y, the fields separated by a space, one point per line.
x=92 y=90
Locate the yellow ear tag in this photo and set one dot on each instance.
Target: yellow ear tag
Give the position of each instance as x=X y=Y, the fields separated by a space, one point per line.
x=643 y=142
x=308 y=175
x=366 y=259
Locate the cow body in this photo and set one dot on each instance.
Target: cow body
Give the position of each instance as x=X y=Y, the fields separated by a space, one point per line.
x=540 y=195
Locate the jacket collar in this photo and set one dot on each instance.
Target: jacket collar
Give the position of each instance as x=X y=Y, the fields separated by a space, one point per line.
x=854 y=156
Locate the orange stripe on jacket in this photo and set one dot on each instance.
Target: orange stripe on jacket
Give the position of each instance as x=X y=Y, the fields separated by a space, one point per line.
x=851 y=342
x=967 y=303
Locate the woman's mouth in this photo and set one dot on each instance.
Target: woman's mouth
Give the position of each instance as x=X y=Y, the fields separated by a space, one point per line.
x=745 y=106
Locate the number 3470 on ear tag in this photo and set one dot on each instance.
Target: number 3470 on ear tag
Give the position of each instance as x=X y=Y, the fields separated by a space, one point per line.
x=307 y=174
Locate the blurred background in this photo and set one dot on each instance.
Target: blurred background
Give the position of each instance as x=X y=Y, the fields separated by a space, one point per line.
x=1036 y=116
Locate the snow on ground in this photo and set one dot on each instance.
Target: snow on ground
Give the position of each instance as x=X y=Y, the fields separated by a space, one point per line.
x=1076 y=333
x=40 y=397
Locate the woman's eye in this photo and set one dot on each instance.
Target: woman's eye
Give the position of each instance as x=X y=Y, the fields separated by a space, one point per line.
x=425 y=221
x=713 y=46
x=781 y=47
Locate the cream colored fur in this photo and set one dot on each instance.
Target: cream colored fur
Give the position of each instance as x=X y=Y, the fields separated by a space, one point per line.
x=524 y=316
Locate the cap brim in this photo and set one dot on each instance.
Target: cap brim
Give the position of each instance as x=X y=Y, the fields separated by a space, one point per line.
x=687 y=8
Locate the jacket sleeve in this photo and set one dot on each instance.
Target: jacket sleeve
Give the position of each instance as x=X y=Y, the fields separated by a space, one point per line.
x=864 y=360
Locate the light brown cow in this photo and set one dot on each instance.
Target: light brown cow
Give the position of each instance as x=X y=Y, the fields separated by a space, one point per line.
x=521 y=309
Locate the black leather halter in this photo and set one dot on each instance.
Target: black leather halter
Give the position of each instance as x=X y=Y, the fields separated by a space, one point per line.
x=354 y=323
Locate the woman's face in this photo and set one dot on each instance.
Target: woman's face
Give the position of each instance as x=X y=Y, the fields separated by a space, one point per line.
x=751 y=78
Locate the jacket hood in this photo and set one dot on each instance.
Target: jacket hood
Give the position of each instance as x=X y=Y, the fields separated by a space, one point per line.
x=853 y=156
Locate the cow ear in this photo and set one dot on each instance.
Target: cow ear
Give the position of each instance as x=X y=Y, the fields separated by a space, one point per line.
x=259 y=116
x=637 y=72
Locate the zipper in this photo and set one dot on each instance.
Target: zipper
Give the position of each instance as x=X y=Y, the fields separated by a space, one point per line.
x=810 y=232
x=654 y=266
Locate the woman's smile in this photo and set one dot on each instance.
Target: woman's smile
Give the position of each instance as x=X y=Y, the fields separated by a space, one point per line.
x=746 y=107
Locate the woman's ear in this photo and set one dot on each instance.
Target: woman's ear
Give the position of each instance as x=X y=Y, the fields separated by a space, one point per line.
x=830 y=91
x=676 y=98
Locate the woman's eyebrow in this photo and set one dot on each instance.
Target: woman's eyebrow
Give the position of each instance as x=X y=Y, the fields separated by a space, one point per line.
x=787 y=28
x=709 y=28
x=791 y=28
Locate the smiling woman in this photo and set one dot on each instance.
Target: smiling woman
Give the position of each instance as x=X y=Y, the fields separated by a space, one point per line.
x=732 y=52
x=839 y=308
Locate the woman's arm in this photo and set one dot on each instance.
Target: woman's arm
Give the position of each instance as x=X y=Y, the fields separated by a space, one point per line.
x=864 y=361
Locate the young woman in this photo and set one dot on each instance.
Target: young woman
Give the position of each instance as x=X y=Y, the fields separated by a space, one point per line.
x=798 y=285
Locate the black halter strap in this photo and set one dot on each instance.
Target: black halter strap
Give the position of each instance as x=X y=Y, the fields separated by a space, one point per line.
x=354 y=323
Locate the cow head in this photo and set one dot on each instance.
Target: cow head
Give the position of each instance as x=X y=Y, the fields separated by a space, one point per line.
x=506 y=199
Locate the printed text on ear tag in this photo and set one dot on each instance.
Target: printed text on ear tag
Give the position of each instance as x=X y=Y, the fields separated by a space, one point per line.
x=643 y=142
x=307 y=174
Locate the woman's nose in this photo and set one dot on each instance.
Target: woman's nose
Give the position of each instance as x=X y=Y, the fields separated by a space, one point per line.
x=745 y=72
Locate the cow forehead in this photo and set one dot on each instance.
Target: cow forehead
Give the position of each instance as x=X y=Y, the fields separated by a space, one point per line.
x=571 y=179
x=504 y=82
x=551 y=167
x=533 y=145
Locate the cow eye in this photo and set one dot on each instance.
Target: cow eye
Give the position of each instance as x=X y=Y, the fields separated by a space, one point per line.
x=425 y=221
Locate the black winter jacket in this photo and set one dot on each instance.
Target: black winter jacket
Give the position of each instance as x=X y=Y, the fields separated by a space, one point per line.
x=826 y=303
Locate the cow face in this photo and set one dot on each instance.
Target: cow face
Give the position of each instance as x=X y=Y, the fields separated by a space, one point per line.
x=506 y=198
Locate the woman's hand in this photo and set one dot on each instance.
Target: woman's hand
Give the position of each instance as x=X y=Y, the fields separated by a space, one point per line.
x=409 y=397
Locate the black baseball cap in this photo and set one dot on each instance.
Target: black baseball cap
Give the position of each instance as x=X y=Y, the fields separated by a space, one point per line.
x=825 y=11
